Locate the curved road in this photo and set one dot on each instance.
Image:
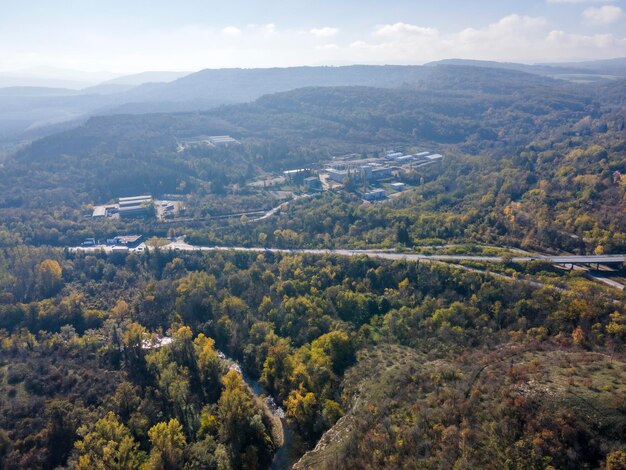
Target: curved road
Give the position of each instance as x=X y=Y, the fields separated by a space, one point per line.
x=559 y=259
x=567 y=259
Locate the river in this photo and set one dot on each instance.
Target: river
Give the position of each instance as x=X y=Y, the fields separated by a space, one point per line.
x=293 y=448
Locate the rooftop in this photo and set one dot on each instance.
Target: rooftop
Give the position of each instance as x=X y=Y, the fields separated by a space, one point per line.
x=222 y=139
x=99 y=211
x=135 y=198
x=127 y=239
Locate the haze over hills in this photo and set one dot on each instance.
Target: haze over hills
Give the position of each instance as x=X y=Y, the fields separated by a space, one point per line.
x=53 y=77
x=29 y=113
x=128 y=82
x=587 y=71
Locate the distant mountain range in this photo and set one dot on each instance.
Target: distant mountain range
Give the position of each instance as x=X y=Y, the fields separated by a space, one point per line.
x=575 y=71
x=28 y=112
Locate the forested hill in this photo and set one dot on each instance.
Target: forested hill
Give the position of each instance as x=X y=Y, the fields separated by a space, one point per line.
x=526 y=136
x=452 y=104
x=28 y=114
x=476 y=109
x=238 y=85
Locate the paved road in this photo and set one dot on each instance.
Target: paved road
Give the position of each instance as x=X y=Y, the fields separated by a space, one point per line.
x=568 y=259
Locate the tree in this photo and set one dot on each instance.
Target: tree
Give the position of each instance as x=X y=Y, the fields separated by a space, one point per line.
x=48 y=277
x=302 y=406
x=234 y=408
x=334 y=350
x=168 y=443
x=209 y=366
x=61 y=430
x=134 y=339
x=121 y=310
x=402 y=235
x=195 y=291
x=277 y=367
x=109 y=446
x=241 y=424
x=616 y=460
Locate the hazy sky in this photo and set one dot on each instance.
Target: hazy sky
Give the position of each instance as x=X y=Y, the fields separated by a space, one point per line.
x=136 y=35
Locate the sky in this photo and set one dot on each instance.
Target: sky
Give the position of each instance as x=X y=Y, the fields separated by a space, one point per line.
x=132 y=36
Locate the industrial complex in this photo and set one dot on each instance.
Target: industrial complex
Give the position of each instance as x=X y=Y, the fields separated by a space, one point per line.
x=210 y=141
x=365 y=172
x=137 y=206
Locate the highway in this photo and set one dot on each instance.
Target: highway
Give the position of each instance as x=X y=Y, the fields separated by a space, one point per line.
x=566 y=259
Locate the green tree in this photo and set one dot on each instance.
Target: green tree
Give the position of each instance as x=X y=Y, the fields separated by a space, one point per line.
x=48 y=275
x=168 y=444
x=241 y=425
x=108 y=446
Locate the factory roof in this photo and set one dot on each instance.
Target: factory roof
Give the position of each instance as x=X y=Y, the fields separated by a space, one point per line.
x=99 y=211
x=394 y=154
x=135 y=209
x=127 y=239
x=134 y=198
x=222 y=139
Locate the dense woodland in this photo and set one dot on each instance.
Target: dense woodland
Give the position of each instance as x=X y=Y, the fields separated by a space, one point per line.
x=297 y=324
x=129 y=360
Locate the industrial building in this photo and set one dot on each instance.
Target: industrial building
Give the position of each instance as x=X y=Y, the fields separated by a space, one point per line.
x=134 y=200
x=381 y=173
x=129 y=241
x=135 y=206
x=375 y=195
x=339 y=176
x=222 y=140
x=393 y=154
x=313 y=183
x=99 y=212
x=298 y=175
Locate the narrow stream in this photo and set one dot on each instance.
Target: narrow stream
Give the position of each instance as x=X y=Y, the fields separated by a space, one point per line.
x=293 y=448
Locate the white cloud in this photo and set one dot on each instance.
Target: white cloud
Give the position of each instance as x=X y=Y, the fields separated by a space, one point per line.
x=327 y=47
x=324 y=32
x=400 y=29
x=604 y=15
x=514 y=38
x=231 y=31
x=359 y=45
